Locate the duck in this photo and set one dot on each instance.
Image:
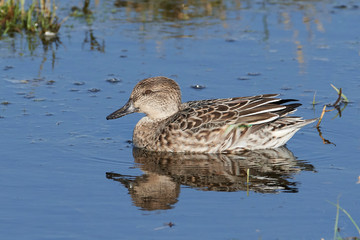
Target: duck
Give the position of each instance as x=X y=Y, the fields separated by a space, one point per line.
x=227 y=125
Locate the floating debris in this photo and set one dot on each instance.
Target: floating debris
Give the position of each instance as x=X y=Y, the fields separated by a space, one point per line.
x=253 y=74
x=94 y=90
x=49 y=114
x=8 y=68
x=123 y=56
x=79 y=83
x=38 y=79
x=50 y=82
x=22 y=81
x=5 y=103
x=286 y=88
x=113 y=80
x=165 y=225
x=243 y=78
x=170 y=224
x=29 y=96
x=230 y=40
x=106 y=139
x=198 y=86
x=39 y=99
x=340 y=6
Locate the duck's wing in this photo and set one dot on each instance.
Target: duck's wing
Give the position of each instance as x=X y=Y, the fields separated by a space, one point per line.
x=210 y=114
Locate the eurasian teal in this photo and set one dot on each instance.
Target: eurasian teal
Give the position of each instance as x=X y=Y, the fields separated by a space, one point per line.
x=216 y=125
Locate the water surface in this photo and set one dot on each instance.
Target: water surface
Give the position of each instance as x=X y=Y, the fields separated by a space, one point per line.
x=67 y=173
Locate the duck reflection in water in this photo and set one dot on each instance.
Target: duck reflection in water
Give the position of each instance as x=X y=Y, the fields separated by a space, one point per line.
x=270 y=171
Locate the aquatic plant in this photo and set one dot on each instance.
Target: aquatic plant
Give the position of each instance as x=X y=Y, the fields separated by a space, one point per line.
x=39 y=18
x=314 y=102
x=336 y=105
x=336 y=227
x=345 y=99
x=84 y=11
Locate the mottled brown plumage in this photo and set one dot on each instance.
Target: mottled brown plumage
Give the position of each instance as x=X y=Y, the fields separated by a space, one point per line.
x=217 y=125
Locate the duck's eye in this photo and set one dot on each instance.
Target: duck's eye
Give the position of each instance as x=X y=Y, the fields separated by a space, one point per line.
x=147 y=92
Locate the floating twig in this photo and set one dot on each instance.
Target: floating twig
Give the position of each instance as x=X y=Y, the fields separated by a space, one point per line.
x=335 y=105
x=321 y=116
x=345 y=99
x=338 y=99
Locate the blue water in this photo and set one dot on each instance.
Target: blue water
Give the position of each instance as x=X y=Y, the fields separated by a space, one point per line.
x=56 y=146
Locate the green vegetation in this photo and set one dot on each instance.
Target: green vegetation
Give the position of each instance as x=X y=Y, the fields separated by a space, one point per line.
x=336 y=227
x=335 y=106
x=345 y=99
x=314 y=102
x=83 y=12
x=40 y=18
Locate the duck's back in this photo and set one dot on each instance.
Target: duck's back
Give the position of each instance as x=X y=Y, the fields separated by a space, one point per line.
x=230 y=125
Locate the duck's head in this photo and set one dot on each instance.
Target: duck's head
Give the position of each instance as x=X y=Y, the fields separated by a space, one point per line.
x=157 y=97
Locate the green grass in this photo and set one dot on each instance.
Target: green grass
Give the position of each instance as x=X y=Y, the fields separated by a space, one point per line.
x=345 y=99
x=336 y=227
x=314 y=102
x=39 y=18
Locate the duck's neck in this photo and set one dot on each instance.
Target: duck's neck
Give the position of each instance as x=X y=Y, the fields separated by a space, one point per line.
x=162 y=112
x=146 y=131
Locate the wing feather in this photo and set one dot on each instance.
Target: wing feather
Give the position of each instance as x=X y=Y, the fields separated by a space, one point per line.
x=254 y=110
